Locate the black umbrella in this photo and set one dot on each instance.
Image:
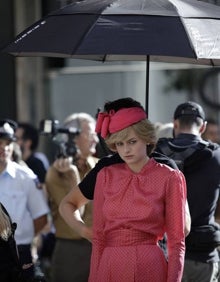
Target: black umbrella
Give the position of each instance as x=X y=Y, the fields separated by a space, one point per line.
x=158 y=30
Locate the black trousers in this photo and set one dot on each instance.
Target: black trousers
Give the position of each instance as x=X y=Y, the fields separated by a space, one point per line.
x=26 y=258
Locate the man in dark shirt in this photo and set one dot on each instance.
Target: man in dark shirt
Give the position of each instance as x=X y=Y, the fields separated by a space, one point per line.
x=27 y=137
x=202 y=172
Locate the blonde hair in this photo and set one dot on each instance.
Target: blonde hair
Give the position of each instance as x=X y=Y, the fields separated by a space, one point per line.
x=144 y=130
x=5 y=225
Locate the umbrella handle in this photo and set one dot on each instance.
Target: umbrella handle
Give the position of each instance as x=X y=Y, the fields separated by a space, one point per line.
x=147 y=84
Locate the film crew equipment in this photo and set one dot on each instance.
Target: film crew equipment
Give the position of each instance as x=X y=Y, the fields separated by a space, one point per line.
x=63 y=137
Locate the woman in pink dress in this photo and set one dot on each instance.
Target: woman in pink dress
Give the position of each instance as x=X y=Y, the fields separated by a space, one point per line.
x=136 y=201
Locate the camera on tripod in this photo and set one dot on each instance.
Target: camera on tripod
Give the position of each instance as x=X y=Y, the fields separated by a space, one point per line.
x=61 y=136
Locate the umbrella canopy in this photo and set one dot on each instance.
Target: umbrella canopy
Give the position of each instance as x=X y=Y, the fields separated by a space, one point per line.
x=120 y=29
x=165 y=30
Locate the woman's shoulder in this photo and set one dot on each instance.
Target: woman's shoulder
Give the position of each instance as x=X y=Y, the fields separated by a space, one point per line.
x=166 y=169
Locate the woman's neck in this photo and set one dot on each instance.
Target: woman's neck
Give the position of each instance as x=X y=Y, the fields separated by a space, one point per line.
x=137 y=167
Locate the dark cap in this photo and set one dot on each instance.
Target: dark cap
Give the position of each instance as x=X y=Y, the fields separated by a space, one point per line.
x=7 y=129
x=189 y=109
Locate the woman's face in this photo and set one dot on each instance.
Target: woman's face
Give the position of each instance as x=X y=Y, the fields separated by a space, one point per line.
x=132 y=150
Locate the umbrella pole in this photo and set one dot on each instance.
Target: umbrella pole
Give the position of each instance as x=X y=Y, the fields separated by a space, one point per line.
x=147 y=84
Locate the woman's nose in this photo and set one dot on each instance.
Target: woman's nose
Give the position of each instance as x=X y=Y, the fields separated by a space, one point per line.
x=126 y=148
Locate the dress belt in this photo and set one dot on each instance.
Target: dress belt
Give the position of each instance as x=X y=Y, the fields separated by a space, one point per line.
x=129 y=237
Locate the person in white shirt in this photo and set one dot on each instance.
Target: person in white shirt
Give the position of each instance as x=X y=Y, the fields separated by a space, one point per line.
x=25 y=203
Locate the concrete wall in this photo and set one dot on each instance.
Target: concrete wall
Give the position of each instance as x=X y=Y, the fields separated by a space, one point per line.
x=86 y=88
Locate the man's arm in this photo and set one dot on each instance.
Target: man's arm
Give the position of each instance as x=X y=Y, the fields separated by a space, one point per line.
x=60 y=178
x=39 y=223
x=187 y=220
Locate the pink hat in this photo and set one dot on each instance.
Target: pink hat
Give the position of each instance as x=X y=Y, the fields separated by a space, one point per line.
x=115 y=121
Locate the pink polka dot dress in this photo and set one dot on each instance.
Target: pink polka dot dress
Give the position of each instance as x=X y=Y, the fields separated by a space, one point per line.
x=132 y=211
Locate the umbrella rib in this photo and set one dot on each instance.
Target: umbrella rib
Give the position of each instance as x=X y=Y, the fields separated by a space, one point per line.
x=84 y=35
x=90 y=28
x=104 y=58
x=212 y=62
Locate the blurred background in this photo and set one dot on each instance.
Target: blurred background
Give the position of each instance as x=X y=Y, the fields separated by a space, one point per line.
x=33 y=89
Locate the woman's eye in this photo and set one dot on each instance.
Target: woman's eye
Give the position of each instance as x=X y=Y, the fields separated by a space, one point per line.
x=119 y=144
x=132 y=141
